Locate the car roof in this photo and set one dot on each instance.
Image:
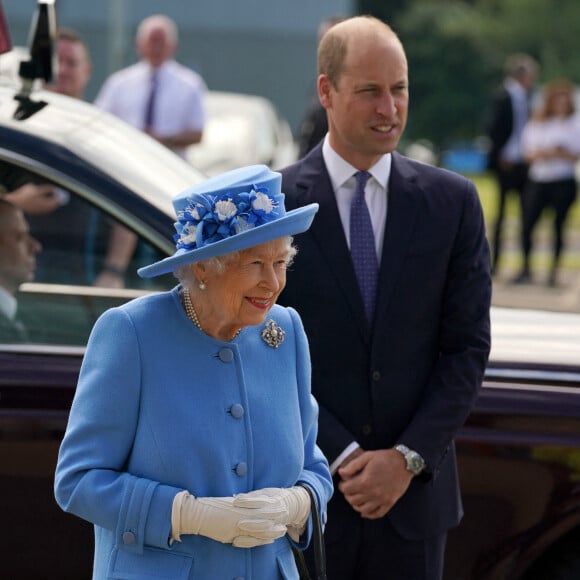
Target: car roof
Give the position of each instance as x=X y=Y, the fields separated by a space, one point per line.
x=67 y=129
x=535 y=337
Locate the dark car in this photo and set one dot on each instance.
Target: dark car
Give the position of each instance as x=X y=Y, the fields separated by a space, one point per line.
x=519 y=452
x=519 y=455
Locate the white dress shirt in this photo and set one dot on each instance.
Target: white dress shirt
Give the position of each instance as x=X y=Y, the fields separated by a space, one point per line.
x=376 y=196
x=178 y=100
x=8 y=304
x=512 y=150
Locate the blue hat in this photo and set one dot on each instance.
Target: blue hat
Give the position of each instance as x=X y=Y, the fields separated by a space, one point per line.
x=230 y=212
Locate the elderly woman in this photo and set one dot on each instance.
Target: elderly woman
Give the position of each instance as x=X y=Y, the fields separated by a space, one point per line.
x=192 y=436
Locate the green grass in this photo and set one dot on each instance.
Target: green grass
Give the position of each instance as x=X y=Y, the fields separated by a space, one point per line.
x=488 y=193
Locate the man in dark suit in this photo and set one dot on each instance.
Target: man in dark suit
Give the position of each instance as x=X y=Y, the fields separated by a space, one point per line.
x=398 y=352
x=509 y=114
x=18 y=250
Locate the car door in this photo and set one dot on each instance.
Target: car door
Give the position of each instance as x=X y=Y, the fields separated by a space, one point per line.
x=39 y=371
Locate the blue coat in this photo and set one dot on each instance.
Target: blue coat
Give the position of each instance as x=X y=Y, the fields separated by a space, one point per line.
x=161 y=407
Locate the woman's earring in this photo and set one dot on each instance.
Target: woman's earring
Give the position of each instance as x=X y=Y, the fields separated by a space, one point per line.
x=202 y=285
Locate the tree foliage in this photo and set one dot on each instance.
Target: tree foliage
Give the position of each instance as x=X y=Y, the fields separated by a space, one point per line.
x=456 y=50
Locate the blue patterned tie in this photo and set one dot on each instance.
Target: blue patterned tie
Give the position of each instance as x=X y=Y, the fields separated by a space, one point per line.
x=362 y=245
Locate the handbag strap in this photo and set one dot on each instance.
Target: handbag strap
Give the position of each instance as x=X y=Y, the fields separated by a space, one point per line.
x=317 y=537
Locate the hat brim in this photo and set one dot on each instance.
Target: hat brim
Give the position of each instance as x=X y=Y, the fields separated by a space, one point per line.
x=294 y=222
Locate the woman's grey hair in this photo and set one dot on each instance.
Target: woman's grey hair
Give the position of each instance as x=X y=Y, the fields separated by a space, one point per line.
x=219 y=264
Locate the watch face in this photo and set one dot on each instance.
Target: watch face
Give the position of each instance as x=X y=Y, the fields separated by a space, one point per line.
x=415 y=462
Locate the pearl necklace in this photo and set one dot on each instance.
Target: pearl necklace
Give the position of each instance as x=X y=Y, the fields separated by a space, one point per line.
x=192 y=314
x=189 y=309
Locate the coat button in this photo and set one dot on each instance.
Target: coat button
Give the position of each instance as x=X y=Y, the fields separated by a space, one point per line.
x=237 y=411
x=241 y=469
x=376 y=376
x=367 y=429
x=129 y=538
x=226 y=355
x=239 y=578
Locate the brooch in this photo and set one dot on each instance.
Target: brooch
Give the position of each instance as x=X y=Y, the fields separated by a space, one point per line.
x=272 y=334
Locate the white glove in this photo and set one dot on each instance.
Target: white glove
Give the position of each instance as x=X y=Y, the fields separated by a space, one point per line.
x=294 y=502
x=219 y=519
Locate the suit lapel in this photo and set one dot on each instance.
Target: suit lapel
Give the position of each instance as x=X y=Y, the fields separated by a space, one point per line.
x=399 y=229
x=328 y=233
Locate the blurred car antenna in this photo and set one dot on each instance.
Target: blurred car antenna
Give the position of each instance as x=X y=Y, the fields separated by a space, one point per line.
x=42 y=63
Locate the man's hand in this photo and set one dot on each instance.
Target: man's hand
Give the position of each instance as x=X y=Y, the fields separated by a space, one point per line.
x=374 y=481
x=35 y=198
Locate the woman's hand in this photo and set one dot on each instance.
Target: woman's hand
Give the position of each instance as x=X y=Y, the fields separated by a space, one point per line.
x=219 y=519
x=294 y=503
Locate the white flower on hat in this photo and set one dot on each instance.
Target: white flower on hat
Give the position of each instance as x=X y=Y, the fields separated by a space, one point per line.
x=188 y=234
x=225 y=209
x=263 y=202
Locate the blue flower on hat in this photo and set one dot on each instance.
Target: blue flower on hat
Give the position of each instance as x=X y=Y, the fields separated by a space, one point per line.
x=213 y=218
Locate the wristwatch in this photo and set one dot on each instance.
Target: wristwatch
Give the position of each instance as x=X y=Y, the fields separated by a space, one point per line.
x=415 y=463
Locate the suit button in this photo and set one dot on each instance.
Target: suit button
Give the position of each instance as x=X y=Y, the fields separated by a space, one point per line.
x=237 y=411
x=129 y=538
x=241 y=469
x=367 y=429
x=376 y=376
x=226 y=355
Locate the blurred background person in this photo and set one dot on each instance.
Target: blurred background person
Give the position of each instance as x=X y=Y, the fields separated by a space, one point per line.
x=72 y=76
x=68 y=224
x=509 y=114
x=74 y=64
x=18 y=251
x=551 y=145
x=161 y=97
x=157 y=94
x=314 y=125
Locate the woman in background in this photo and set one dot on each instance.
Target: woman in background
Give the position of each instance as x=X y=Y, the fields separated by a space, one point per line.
x=551 y=145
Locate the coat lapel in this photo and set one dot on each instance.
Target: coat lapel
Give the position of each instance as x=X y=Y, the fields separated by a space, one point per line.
x=328 y=233
x=399 y=229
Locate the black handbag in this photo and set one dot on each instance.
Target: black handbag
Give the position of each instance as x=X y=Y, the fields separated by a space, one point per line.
x=317 y=545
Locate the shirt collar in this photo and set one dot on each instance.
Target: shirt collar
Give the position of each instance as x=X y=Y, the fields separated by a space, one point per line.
x=340 y=171
x=8 y=304
x=515 y=89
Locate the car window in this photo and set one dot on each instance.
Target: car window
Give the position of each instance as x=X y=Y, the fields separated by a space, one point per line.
x=60 y=303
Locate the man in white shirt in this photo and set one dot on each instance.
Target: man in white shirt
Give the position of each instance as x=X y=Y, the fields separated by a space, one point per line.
x=162 y=98
x=157 y=94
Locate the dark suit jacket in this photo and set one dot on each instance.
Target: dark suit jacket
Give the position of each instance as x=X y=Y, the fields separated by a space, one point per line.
x=414 y=375
x=500 y=124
